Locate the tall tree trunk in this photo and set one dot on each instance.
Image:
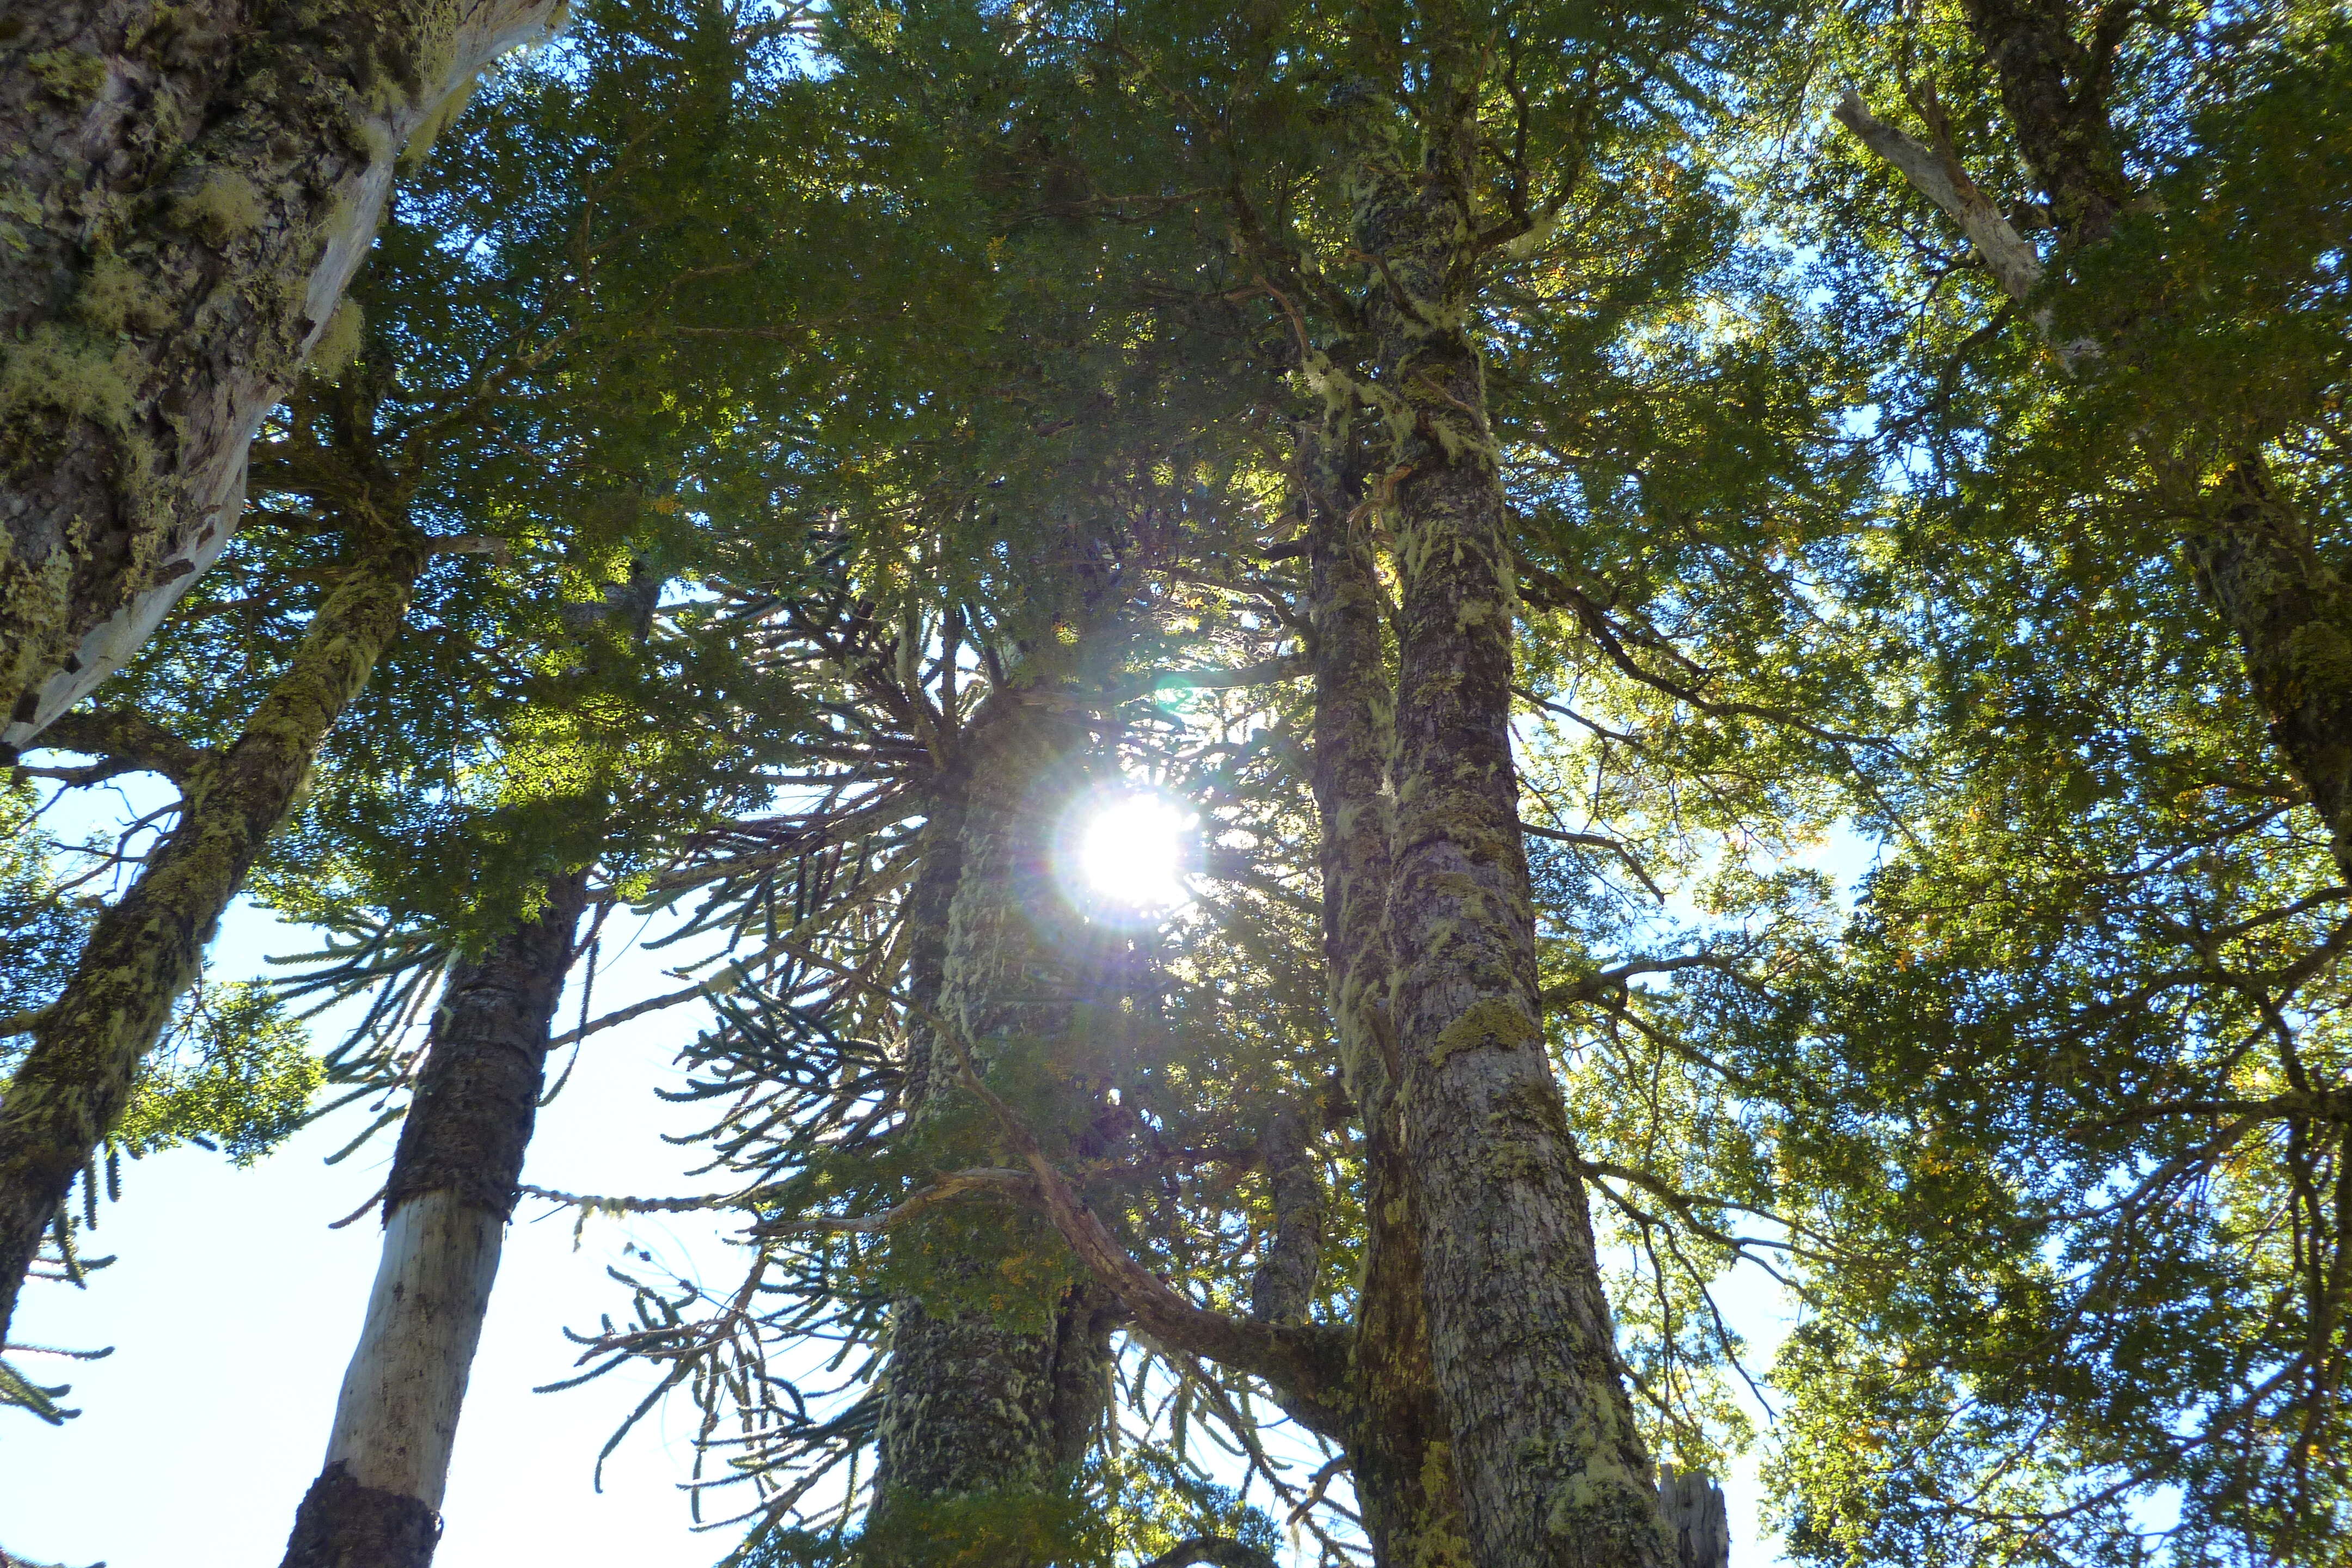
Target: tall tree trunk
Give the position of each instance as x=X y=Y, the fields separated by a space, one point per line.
x=377 y=1500
x=146 y=948
x=991 y=1410
x=1699 y=1526
x=1552 y=1467
x=191 y=187
x=1403 y=1466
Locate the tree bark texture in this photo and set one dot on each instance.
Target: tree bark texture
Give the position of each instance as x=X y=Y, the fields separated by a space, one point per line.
x=148 y=946
x=1698 y=1525
x=2254 y=557
x=188 y=190
x=1397 y=1445
x=973 y=1404
x=1282 y=1287
x=451 y=1187
x=341 y=1524
x=2054 y=88
x=1552 y=1467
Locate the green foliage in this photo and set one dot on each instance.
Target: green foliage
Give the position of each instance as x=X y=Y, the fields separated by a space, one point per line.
x=793 y=387
x=41 y=925
x=235 y=1073
x=1149 y=1503
x=1156 y=1501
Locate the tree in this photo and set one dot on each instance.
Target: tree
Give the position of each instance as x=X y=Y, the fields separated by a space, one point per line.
x=399 y=457
x=193 y=190
x=2086 y=994
x=1161 y=1312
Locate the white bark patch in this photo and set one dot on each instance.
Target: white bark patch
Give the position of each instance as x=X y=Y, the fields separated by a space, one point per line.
x=396 y=1417
x=485 y=30
x=1935 y=175
x=112 y=643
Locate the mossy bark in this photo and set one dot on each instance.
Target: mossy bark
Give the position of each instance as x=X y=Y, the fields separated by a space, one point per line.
x=185 y=191
x=1396 y=1442
x=2054 y=89
x=987 y=1409
x=147 y=949
x=2292 y=613
x=1552 y=1469
x=447 y=1202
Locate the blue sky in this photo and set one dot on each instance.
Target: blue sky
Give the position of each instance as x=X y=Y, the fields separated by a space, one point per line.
x=233 y=1309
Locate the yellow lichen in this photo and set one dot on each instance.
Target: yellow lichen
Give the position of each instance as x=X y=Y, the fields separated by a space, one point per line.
x=69 y=373
x=340 y=344
x=221 y=209
x=1494 y=1021
x=116 y=298
x=69 y=74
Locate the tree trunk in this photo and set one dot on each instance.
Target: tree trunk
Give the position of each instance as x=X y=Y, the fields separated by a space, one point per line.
x=1699 y=1526
x=190 y=189
x=1403 y=1470
x=2254 y=557
x=2249 y=545
x=1551 y=1467
x=148 y=946
x=377 y=1500
x=984 y=1413
x=2054 y=89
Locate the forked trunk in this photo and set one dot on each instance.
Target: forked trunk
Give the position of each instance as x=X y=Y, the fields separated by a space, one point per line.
x=148 y=948
x=377 y=1500
x=191 y=188
x=1397 y=1444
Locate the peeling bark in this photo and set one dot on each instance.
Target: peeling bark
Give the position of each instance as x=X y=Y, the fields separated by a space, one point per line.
x=148 y=946
x=1552 y=1467
x=189 y=189
x=451 y=1187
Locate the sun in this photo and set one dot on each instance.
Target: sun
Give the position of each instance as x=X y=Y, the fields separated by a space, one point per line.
x=1134 y=849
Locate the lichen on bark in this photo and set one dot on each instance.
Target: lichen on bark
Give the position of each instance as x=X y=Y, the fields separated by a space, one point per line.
x=1551 y=1464
x=185 y=191
x=990 y=1397
x=1402 y=1466
x=146 y=948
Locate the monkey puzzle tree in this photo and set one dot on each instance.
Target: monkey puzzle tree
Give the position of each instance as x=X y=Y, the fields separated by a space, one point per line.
x=500 y=419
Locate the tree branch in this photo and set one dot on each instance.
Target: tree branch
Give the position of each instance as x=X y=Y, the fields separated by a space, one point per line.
x=1302 y=1362
x=1935 y=173
x=125 y=738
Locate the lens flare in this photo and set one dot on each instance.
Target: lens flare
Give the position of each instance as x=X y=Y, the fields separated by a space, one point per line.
x=1132 y=852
